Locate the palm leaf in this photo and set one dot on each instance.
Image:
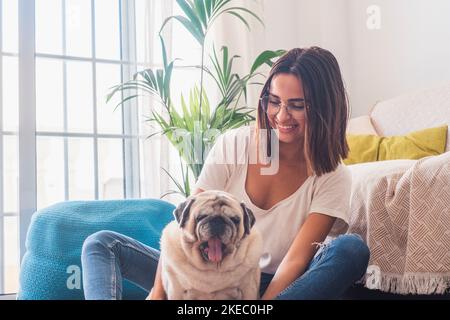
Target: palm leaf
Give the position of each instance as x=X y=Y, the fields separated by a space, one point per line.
x=169 y=192
x=208 y=7
x=187 y=117
x=125 y=100
x=189 y=25
x=190 y=11
x=201 y=12
x=234 y=9
x=237 y=15
x=174 y=180
x=219 y=5
x=265 y=58
x=163 y=49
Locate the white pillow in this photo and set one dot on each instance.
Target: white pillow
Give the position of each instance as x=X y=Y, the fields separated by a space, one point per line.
x=362 y=172
x=361 y=125
x=413 y=111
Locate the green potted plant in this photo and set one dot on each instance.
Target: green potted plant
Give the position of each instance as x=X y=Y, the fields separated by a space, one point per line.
x=193 y=130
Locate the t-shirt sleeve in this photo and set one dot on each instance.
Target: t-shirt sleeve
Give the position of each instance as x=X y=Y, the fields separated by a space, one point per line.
x=215 y=172
x=332 y=197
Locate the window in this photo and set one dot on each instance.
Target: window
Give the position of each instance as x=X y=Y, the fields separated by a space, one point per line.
x=9 y=106
x=71 y=145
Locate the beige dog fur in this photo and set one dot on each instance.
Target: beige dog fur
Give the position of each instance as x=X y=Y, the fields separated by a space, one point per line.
x=187 y=274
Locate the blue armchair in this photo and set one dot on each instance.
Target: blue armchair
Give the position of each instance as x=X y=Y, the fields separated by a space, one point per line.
x=51 y=266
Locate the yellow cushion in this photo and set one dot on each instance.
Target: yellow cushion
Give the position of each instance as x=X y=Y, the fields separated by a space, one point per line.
x=415 y=145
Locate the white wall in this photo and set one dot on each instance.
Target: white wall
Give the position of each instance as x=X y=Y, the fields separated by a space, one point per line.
x=410 y=51
x=289 y=24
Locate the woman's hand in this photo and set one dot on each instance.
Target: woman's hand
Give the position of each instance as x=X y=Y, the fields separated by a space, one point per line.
x=157 y=292
x=302 y=250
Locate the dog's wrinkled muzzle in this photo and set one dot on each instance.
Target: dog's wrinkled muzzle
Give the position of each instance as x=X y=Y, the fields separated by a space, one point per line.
x=213 y=248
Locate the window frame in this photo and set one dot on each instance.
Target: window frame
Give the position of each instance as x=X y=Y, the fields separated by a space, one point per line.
x=27 y=134
x=2 y=213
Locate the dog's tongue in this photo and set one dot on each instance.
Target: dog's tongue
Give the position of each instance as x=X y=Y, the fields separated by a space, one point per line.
x=214 y=250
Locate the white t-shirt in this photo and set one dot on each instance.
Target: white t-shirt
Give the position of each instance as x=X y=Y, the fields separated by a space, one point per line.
x=226 y=169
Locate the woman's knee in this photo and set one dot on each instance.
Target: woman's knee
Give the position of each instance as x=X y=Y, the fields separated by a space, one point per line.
x=101 y=240
x=351 y=248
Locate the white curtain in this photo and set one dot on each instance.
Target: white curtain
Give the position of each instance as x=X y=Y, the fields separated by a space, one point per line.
x=154 y=151
x=230 y=31
x=157 y=152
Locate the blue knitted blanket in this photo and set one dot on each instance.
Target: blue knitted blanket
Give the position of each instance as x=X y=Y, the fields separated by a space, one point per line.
x=51 y=266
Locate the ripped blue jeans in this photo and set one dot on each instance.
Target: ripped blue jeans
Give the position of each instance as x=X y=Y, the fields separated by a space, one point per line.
x=108 y=257
x=335 y=267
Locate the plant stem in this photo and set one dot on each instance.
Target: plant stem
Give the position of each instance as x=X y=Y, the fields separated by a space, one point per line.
x=201 y=99
x=201 y=82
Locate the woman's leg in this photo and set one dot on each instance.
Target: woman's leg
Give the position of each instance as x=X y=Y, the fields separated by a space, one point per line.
x=338 y=265
x=107 y=257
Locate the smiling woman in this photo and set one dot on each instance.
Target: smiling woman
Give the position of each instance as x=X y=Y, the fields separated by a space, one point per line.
x=303 y=103
x=312 y=78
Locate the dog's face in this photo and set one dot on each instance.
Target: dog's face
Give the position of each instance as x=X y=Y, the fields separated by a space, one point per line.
x=215 y=221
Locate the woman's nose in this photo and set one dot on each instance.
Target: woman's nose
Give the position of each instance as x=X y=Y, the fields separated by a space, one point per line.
x=283 y=114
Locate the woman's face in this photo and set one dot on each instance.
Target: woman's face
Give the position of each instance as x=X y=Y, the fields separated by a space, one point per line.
x=286 y=92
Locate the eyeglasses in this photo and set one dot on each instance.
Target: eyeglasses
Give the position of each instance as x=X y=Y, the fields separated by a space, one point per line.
x=272 y=106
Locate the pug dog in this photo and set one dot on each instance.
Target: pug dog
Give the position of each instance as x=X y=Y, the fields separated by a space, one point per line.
x=211 y=250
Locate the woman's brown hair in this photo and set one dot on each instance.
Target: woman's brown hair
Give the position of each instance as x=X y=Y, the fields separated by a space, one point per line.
x=327 y=105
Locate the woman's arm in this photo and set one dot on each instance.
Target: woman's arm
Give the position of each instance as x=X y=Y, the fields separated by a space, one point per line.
x=315 y=229
x=157 y=292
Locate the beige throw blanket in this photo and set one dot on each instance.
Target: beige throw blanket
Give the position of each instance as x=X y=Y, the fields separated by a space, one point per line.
x=402 y=209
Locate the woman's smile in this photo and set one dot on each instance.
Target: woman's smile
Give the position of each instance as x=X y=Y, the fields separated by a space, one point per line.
x=286 y=128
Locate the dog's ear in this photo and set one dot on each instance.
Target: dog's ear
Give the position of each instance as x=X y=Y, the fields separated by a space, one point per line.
x=181 y=213
x=249 y=218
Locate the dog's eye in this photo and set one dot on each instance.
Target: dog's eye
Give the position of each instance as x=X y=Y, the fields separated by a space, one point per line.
x=200 y=217
x=236 y=220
